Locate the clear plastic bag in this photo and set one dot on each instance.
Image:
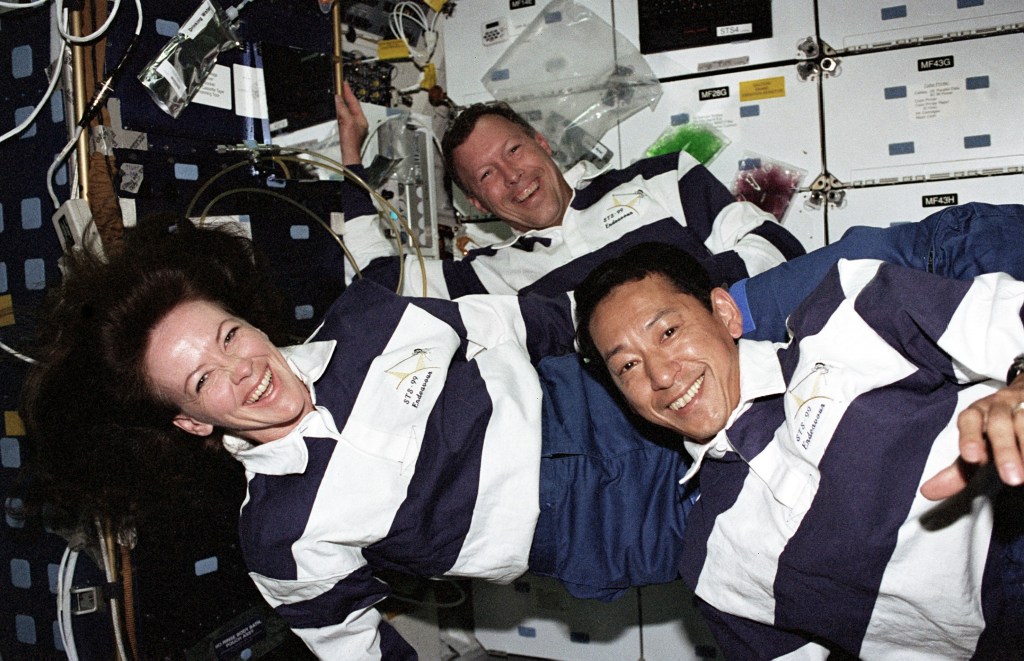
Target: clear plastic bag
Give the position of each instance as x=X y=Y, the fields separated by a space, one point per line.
x=768 y=183
x=177 y=73
x=573 y=78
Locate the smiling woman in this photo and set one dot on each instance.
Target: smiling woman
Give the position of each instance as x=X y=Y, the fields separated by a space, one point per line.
x=101 y=432
x=220 y=371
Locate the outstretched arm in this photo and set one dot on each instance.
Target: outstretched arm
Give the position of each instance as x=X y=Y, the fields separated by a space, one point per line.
x=991 y=429
x=744 y=239
x=364 y=230
x=352 y=126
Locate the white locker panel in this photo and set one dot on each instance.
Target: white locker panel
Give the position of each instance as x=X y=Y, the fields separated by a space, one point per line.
x=535 y=616
x=806 y=221
x=673 y=628
x=938 y=110
x=885 y=205
x=477 y=34
x=792 y=22
x=849 y=25
x=769 y=113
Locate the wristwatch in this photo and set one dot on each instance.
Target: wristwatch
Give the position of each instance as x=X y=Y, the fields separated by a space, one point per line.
x=1016 y=367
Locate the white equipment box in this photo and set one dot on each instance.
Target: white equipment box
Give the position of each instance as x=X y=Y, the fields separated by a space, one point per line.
x=864 y=24
x=950 y=109
x=536 y=617
x=882 y=206
x=672 y=627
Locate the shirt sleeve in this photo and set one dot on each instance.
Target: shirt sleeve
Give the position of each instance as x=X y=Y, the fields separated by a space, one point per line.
x=542 y=325
x=754 y=236
x=378 y=259
x=363 y=236
x=956 y=242
x=336 y=618
x=970 y=330
x=740 y=638
x=745 y=239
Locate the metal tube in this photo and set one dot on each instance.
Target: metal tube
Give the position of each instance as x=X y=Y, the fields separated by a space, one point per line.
x=339 y=71
x=80 y=99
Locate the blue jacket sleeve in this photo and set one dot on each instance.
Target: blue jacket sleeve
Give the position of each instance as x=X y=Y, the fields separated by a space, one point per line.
x=956 y=242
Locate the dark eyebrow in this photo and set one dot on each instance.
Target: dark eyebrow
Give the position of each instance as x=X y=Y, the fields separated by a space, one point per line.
x=658 y=316
x=222 y=330
x=611 y=353
x=225 y=326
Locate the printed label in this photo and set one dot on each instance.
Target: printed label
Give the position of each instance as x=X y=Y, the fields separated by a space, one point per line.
x=713 y=93
x=624 y=205
x=733 y=30
x=235 y=641
x=808 y=418
x=216 y=89
x=199 y=20
x=250 y=92
x=764 y=88
x=946 y=200
x=941 y=99
x=930 y=63
x=728 y=63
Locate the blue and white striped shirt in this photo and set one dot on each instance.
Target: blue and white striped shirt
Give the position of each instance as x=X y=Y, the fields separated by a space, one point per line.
x=810 y=532
x=671 y=199
x=423 y=455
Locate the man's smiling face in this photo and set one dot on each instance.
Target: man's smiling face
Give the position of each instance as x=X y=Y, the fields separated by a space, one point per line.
x=675 y=361
x=510 y=173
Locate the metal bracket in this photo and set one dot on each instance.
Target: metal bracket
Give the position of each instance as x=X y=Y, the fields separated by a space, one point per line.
x=825 y=182
x=818 y=59
x=826 y=189
x=86 y=600
x=808 y=48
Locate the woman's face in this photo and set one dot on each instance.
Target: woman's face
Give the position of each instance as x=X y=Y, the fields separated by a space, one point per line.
x=219 y=371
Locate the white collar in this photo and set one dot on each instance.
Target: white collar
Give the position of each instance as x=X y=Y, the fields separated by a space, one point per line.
x=582 y=172
x=760 y=376
x=310 y=360
x=288 y=454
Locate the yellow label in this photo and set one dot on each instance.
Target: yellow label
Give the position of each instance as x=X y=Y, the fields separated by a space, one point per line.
x=392 y=49
x=436 y=4
x=6 y=310
x=429 y=76
x=764 y=88
x=12 y=424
